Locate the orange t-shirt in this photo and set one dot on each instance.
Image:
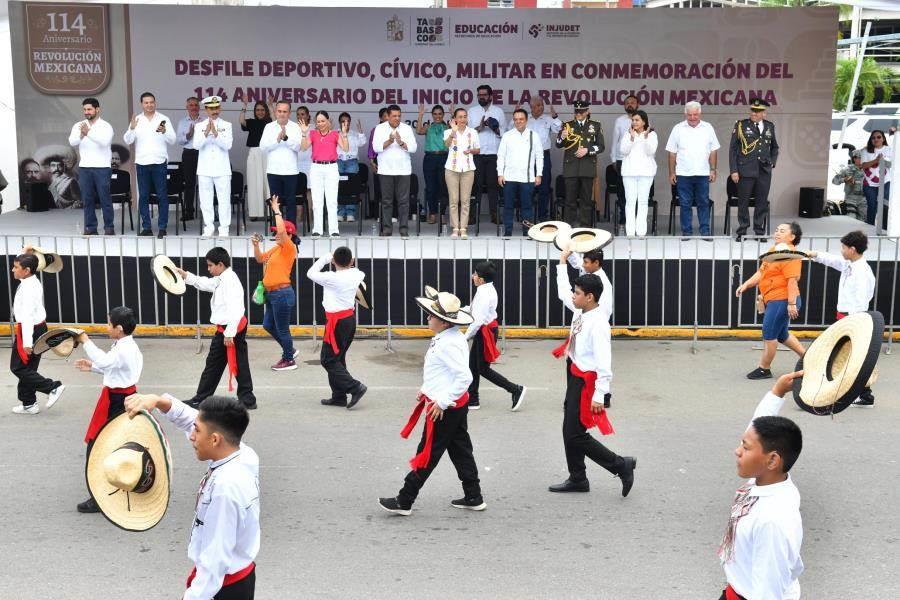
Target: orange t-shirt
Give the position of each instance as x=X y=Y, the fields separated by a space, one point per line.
x=279 y=264
x=775 y=275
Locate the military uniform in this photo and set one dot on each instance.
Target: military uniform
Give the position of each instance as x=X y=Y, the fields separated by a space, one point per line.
x=752 y=155
x=579 y=173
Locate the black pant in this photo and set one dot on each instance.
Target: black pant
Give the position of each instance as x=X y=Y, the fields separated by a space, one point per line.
x=339 y=378
x=481 y=367
x=451 y=434
x=244 y=589
x=758 y=187
x=189 y=172
x=620 y=192
x=217 y=361
x=486 y=178
x=394 y=188
x=579 y=201
x=30 y=381
x=435 y=186
x=578 y=442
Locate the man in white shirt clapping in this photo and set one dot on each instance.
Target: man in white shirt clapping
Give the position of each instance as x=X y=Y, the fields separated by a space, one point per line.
x=394 y=142
x=543 y=125
x=489 y=122
x=520 y=162
x=93 y=138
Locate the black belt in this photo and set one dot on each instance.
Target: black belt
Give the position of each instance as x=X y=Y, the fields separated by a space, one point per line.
x=324 y=162
x=435 y=152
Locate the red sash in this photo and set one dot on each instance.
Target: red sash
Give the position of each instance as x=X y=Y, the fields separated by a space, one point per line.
x=730 y=594
x=331 y=319
x=491 y=351
x=561 y=349
x=19 y=347
x=230 y=578
x=421 y=460
x=588 y=418
x=839 y=315
x=231 y=353
x=101 y=411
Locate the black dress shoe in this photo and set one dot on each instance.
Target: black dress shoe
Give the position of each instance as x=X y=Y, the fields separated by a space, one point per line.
x=626 y=474
x=161 y=234
x=571 y=486
x=146 y=233
x=251 y=406
x=109 y=232
x=356 y=396
x=89 y=232
x=759 y=373
x=334 y=402
x=88 y=506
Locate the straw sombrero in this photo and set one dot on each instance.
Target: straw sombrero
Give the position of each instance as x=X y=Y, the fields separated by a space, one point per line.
x=444 y=306
x=61 y=340
x=167 y=276
x=782 y=252
x=48 y=261
x=548 y=230
x=582 y=239
x=129 y=472
x=839 y=364
x=362 y=296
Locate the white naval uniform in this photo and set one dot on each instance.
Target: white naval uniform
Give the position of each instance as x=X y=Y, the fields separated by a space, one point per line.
x=214 y=174
x=225 y=533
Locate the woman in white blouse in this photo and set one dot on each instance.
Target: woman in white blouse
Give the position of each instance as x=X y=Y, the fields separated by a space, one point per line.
x=638 y=149
x=876 y=153
x=459 y=171
x=348 y=160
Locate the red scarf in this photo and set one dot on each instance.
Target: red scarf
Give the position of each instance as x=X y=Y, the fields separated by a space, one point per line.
x=331 y=319
x=231 y=353
x=101 y=411
x=421 y=460
x=839 y=315
x=491 y=352
x=230 y=578
x=19 y=347
x=730 y=594
x=561 y=349
x=588 y=418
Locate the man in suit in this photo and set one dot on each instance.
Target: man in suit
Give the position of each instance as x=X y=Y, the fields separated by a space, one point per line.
x=751 y=158
x=582 y=140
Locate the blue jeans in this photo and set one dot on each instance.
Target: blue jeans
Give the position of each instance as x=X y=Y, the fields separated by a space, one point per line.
x=693 y=189
x=349 y=168
x=94 y=182
x=285 y=187
x=524 y=191
x=155 y=176
x=544 y=189
x=871 y=194
x=277 y=320
x=435 y=187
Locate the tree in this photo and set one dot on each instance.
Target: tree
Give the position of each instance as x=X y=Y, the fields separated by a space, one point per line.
x=872 y=77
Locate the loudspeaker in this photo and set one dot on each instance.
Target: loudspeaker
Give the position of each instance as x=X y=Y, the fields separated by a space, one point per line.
x=812 y=202
x=36 y=197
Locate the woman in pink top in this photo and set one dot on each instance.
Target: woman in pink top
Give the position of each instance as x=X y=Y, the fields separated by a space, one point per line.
x=323 y=174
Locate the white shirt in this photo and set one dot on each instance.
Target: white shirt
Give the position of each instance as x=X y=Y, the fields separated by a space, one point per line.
x=94 y=149
x=355 y=139
x=483 y=309
x=121 y=367
x=338 y=287
x=590 y=339
x=456 y=160
x=857 y=284
x=766 y=561
x=513 y=161
x=639 y=157
x=150 y=147
x=606 y=296
x=394 y=160
x=28 y=308
x=184 y=126
x=446 y=375
x=692 y=147
x=281 y=156
x=620 y=128
x=304 y=160
x=225 y=533
x=488 y=140
x=213 y=160
x=543 y=126
x=227 y=302
x=872 y=173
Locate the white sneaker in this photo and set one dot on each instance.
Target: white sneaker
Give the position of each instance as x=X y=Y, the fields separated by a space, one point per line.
x=223 y=233
x=350 y=218
x=209 y=232
x=55 y=395
x=27 y=410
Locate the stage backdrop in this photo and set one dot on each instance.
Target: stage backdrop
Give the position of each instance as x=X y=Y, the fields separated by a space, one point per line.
x=359 y=60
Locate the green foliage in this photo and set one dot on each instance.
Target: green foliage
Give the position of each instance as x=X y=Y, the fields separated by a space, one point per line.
x=872 y=77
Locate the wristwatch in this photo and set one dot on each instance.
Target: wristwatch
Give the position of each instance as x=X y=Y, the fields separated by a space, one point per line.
x=277 y=214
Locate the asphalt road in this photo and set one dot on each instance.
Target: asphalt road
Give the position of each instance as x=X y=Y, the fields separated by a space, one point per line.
x=322 y=470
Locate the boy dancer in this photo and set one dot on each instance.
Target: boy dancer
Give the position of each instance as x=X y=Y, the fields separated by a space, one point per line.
x=589 y=373
x=760 y=551
x=483 y=332
x=30 y=316
x=444 y=398
x=591 y=262
x=121 y=368
x=339 y=300
x=856 y=287
x=225 y=533
x=229 y=346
